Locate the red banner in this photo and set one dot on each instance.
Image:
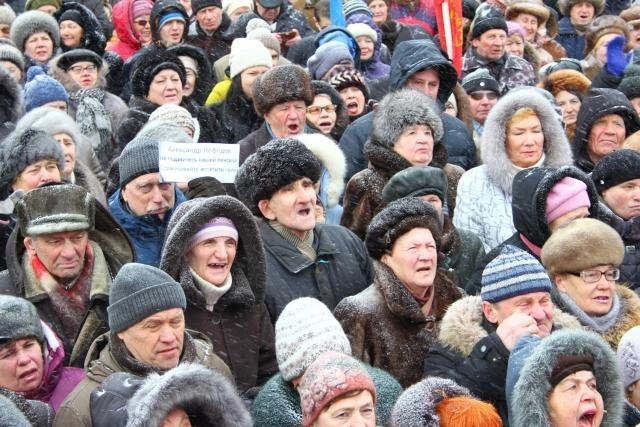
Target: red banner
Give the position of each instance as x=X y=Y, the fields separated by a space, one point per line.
x=449 y=17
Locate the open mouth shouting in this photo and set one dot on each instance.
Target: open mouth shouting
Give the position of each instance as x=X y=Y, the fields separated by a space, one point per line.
x=588 y=418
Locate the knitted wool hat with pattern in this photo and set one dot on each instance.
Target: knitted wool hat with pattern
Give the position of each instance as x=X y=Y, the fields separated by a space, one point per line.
x=629 y=356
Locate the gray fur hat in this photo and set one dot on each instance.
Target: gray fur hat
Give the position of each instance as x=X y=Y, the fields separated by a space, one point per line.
x=401 y=109
x=281 y=84
x=52 y=121
x=18 y=319
x=416 y=181
x=7 y=15
x=274 y=166
x=533 y=386
x=56 y=208
x=203 y=393
x=31 y=22
x=398 y=218
x=10 y=53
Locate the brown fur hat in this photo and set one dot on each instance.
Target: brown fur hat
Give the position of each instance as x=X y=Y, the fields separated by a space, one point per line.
x=633 y=141
x=532 y=7
x=582 y=243
x=281 y=84
x=603 y=25
x=569 y=80
x=632 y=16
x=566 y=5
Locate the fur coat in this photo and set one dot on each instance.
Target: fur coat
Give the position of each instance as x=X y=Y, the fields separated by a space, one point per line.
x=385 y=325
x=10 y=102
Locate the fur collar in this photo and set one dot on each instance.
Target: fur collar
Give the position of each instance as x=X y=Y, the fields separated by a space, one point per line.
x=12 y=92
x=332 y=159
x=628 y=318
x=388 y=162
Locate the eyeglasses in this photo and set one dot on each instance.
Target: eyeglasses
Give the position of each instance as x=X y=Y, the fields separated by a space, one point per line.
x=142 y=22
x=80 y=69
x=592 y=276
x=317 y=110
x=477 y=96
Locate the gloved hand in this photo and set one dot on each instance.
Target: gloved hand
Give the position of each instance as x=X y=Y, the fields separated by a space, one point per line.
x=617 y=60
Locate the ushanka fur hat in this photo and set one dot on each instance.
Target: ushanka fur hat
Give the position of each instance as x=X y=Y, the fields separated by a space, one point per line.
x=531 y=7
x=603 y=25
x=581 y=244
x=150 y=63
x=274 y=166
x=31 y=22
x=401 y=109
x=566 y=5
x=281 y=84
x=569 y=80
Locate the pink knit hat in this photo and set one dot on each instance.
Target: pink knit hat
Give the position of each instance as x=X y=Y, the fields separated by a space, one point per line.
x=568 y=194
x=141 y=8
x=216 y=227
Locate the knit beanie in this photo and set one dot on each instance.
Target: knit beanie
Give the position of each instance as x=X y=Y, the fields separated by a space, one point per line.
x=351 y=7
x=41 y=89
x=281 y=84
x=350 y=78
x=12 y=54
x=398 y=218
x=141 y=8
x=32 y=22
x=230 y=6
x=18 y=319
x=487 y=19
x=139 y=157
x=629 y=356
x=480 y=79
x=196 y=5
x=361 y=29
x=326 y=56
x=266 y=37
x=401 y=109
x=568 y=194
x=215 y=227
x=305 y=329
x=416 y=181
x=515 y=28
x=467 y=411
x=581 y=244
x=615 y=168
x=247 y=53
x=630 y=84
x=603 y=25
x=72 y=15
x=139 y=291
x=330 y=376
x=274 y=166
x=170 y=15
x=36 y=4
x=56 y=208
x=256 y=23
x=7 y=15
x=152 y=62
x=569 y=364
x=174 y=114
x=568 y=80
x=513 y=272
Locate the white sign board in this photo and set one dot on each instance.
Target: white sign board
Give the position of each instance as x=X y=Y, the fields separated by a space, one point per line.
x=180 y=162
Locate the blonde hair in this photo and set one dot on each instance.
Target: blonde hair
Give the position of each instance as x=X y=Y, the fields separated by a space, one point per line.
x=520 y=114
x=633 y=141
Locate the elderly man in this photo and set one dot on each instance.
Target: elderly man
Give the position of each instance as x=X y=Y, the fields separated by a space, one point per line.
x=62 y=257
x=478 y=332
x=144 y=203
x=483 y=93
x=210 y=30
x=147 y=334
x=304 y=259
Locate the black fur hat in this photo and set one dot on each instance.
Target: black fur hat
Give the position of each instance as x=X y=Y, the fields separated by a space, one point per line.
x=272 y=167
x=151 y=63
x=281 y=84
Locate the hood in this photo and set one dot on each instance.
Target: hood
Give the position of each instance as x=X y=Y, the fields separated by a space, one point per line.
x=363 y=18
x=340 y=34
x=189 y=216
x=494 y=154
x=204 y=81
x=158 y=8
x=123 y=23
x=93 y=37
x=10 y=98
x=412 y=56
x=530 y=191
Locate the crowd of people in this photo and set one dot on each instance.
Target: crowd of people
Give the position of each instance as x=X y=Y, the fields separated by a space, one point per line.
x=404 y=243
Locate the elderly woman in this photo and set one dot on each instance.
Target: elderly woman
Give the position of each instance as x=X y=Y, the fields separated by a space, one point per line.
x=605 y=119
x=398 y=315
x=569 y=88
x=213 y=248
x=327 y=112
x=568 y=379
x=583 y=259
x=37 y=36
x=31 y=355
x=79 y=28
x=406 y=132
x=629 y=358
x=522 y=131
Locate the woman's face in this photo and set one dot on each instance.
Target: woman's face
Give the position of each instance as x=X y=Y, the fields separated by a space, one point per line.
x=165 y=88
x=21 y=365
x=415 y=144
x=569 y=105
x=366 y=47
x=322 y=114
x=576 y=402
x=84 y=73
x=529 y=23
x=515 y=45
x=12 y=68
x=380 y=11
x=37 y=174
x=606 y=134
x=353 y=100
x=595 y=299
x=142 y=29
x=358 y=410
x=69 y=150
x=70 y=34
x=212 y=259
x=249 y=76
x=39 y=47
x=414 y=260
x=525 y=141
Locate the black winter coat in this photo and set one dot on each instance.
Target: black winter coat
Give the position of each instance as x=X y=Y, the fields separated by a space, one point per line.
x=215 y=45
x=138 y=115
x=629 y=230
x=235 y=116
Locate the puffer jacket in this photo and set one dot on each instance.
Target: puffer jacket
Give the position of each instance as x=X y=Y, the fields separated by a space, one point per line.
x=127 y=44
x=629 y=230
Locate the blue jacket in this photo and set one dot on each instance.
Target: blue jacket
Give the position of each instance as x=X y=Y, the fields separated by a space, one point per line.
x=569 y=38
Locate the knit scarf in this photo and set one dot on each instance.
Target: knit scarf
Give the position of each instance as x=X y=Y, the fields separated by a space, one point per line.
x=93 y=118
x=305 y=245
x=599 y=324
x=211 y=292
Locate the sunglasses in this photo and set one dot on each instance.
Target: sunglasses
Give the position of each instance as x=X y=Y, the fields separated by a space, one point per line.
x=317 y=110
x=477 y=96
x=142 y=22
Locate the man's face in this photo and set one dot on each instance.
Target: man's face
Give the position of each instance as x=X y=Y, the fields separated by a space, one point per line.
x=482 y=101
x=209 y=18
x=538 y=305
x=157 y=340
x=606 y=134
x=292 y=206
x=171 y=33
x=268 y=14
x=426 y=81
x=146 y=195
x=62 y=253
x=491 y=44
x=582 y=13
x=287 y=119
x=624 y=199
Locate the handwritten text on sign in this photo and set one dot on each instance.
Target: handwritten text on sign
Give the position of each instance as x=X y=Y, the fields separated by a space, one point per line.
x=181 y=162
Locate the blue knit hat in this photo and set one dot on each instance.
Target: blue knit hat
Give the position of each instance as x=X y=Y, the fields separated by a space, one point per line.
x=513 y=272
x=41 y=89
x=171 y=16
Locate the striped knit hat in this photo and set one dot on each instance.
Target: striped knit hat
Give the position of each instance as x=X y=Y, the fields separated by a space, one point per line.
x=513 y=272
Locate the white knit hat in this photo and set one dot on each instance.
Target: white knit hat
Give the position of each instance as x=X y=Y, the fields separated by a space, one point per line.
x=247 y=53
x=361 y=29
x=305 y=329
x=229 y=6
x=629 y=356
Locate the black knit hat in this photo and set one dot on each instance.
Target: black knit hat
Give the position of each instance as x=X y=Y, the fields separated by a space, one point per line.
x=416 y=181
x=18 y=319
x=281 y=84
x=151 y=63
x=630 y=84
x=615 y=168
x=487 y=18
x=196 y=5
x=274 y=166
x=480 y=79
x=68 y=59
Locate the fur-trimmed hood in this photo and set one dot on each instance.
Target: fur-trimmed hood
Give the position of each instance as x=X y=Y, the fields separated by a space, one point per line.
x=11 y=99
x=249 y=267
x=192 y=387
x=204 y=79
x=462 y=325
x=93 y=37
x=532 y=389
x=494 y=155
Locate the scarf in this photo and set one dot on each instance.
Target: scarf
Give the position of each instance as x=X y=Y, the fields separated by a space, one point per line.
x=211 y=292
x=305 y=245
x=599 y=324
x=93 y=118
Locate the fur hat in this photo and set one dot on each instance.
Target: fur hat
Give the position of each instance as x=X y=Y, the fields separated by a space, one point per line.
x=480 y=79
x=565 y=6
x=279 y=85
x=7 y=15
x=150 y=63
x=18 y=319
x=568 y=80
x=531 y=7
x=68 y=59
x=401 y=109
x=416 y=181
x=580 y=244
x=361 y=29
x=487 y=19
x=629 y=356
x=305 y=329
x=32 y=22
x=326 y=56
x=10 y=53
x=350 y=78
x=196 y=5
x=230 y=6
x=632 y=16
x=274 y=166
x=630 y=84
x=247 y=53
x=398 y=218
x=41 y=89
x=330 y=376
x=615 y=168
x=603 y=25
x=266 y=37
